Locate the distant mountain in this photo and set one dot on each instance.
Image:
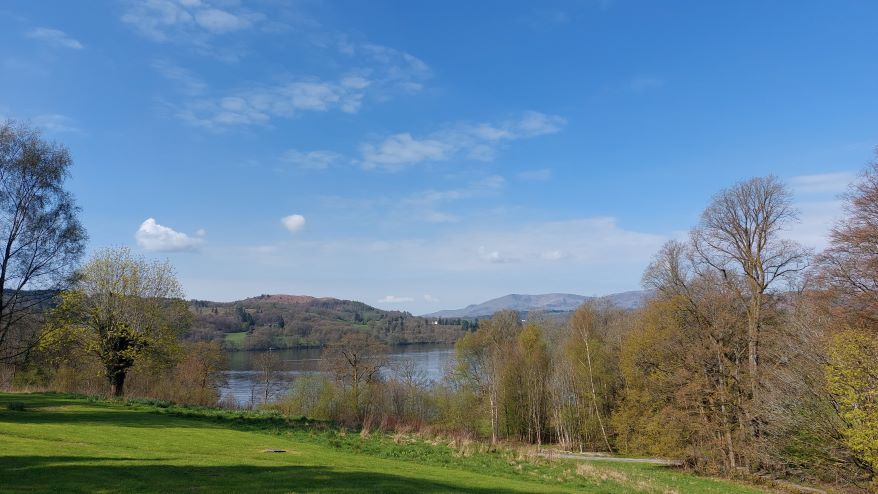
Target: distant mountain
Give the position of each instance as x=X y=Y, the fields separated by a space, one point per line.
x=552 y=302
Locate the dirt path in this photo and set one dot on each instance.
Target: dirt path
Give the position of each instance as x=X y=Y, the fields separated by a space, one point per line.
x=602 y=457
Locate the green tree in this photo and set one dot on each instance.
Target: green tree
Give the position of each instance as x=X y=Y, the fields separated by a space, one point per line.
x=852 y=378
x=123 y=309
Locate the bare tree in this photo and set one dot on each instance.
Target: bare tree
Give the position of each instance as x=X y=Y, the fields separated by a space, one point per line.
x=41 y=238
x=355 y=361
x=270 y=367
x=740 y=236
x=849 y=267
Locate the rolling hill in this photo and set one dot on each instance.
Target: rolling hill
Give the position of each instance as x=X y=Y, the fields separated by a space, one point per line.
x=288 y=321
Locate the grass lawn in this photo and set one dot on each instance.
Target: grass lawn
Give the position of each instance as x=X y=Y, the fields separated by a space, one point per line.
x=62 y=443
x=235 y=340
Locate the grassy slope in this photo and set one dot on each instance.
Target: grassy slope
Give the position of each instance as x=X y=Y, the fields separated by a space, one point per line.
x=69 y=444
x=235 y=340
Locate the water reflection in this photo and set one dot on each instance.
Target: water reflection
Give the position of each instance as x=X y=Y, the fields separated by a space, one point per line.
x=428 y=361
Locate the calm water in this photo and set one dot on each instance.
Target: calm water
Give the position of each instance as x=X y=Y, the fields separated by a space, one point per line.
x=429 y=361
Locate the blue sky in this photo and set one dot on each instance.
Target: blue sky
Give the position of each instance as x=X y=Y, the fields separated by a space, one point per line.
x=428 y=155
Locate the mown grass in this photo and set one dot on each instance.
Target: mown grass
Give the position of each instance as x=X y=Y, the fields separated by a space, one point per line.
x=235 y=340
x=62 y=443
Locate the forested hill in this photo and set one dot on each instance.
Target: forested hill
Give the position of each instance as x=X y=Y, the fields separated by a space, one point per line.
x=288 y=321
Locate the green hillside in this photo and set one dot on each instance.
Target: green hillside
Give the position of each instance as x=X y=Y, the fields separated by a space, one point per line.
x=288 y=321
x=61 y=443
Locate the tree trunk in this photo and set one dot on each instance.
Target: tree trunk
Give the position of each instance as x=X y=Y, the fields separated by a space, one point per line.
x=118 y=382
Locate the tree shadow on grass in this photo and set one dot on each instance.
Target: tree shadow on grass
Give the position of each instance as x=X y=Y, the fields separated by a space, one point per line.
x=118 y=418
x=66 y=409
x=88 y=474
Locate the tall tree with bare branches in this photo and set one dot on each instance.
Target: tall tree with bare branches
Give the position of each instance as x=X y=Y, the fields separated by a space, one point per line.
x=741 y=237
x=41 y=238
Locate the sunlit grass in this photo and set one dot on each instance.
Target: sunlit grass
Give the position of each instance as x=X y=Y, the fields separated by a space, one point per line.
x=60 y=443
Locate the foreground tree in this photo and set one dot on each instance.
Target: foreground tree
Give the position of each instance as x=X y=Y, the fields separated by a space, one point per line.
x=123 y=309
x=740 y=237
x=41 y=238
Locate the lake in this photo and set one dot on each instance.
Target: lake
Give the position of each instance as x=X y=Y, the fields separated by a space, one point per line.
x=429 y=361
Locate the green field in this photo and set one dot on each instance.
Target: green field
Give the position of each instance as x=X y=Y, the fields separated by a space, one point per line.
x=235 y=340
x=61 y=443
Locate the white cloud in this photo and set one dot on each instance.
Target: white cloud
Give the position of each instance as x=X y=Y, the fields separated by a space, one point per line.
x=459 y=141
x=641 y=84
x=220 y=21
x=55 y=37
x=155 y=237
x=311 y=160
x=186 y=20
x=293 y=222
x=55 y=123
x=430 y=298
x=184 y=78
x=833 y=183
x=393 y=299
x=493 y=256
x=539 y=175
x=379 y=74
x=440 y=217
x=260 y=104
x=400 y=150
x=552 y=255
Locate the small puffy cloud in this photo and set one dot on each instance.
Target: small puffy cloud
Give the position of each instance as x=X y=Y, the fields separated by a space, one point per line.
x=832 y=183
x=55 y=37
x=393 y=299
x=155 y=237
x=293 y=222
x=430 y=298
x=310 y=160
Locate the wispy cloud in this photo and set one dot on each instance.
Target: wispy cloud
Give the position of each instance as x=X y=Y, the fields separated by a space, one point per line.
x=310 y=160
x=422 y=205
x=155 y=237
x=393 y=299
x=644 y=83
x=538 y=175
x=188 y=82
x=833 y=183
x=55 y=123
x=55 y=37
x=177 y=20
x=458 y=141
x=593 y=241
x=386 y=73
